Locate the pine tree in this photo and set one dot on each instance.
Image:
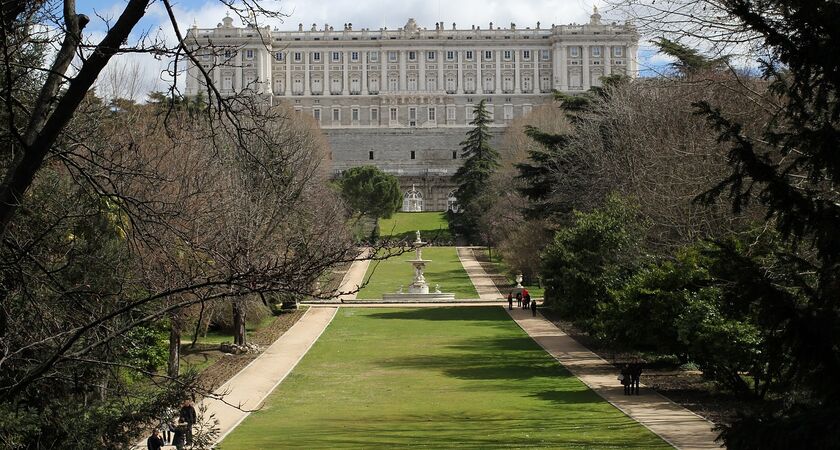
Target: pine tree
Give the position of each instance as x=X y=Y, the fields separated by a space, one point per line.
x=472 y=178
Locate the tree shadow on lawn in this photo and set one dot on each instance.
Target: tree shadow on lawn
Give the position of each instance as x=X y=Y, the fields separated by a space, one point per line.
x=474 y=430
x=455 y=313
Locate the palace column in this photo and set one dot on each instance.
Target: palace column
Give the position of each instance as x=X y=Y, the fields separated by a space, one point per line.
x=586 y=76
x=535 y=83
x=327 y=85
x=607 y=60
x=479 y=88
x=306 y=90
x=563 y=65
x=422 y=64
x=516 y=81
x=441 y=57
x=402 y=86
x=237 y=71
x=632 y=62
x=345 y=89
x=287 y=87
x=498 y=81
x=383 y=69
x=459 y=60
x=363 y=57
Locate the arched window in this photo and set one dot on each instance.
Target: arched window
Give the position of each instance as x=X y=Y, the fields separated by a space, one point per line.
x=413 y=200
x=451 y=202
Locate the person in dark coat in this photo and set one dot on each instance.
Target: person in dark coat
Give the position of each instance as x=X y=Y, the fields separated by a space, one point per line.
x=510 y=301
x=155 y=442
x=533 y=306
x=527 y=299
x=635 y=377
x=188 y=416
x=624 y=378
x=519 y=299
x=179 y=436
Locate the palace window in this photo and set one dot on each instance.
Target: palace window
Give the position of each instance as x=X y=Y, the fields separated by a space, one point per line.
x=374 y=115
x=450 y=113
x=278 y=56
x=507 y=55
x=450 y=55
x=316 y=57
x=527 y=84
x=249 y=54
x=432 y=114
x=354 y=114
x=413 y=154
x=393 y=84
x=508 y=112
x=394 y=114
x=227 y=83
x=412 y=121
x=412 y=56
x=507 y=84
x=545 y=55
x=392 y=56
x=618 y=51
x=412 y=83
x=526 y=54
x=227 y=54
x=336 y=115
x=316 y=113
x=298 y=56
x=545 y=84
x=469 y=55
x=469 y=111
x=297 y=86
x=574 y=52
x=373 y=56
x=413 y=199
x=488 y=55
x=489 y=85
x=450 y=85
x=355 y=86
x=336 y=56
x=431 y=56
x=354 y=56
x=596 y=52
x=370 y=154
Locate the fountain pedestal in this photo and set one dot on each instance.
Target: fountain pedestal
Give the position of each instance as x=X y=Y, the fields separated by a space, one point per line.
x=418 y=290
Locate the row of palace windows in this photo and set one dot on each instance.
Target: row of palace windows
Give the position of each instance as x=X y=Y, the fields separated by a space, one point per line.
x=487 y=85
x=412 y=55
x=412 y=155
x=414 y=113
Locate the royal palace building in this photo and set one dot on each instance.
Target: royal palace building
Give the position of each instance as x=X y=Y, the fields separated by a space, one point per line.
x=402 y=99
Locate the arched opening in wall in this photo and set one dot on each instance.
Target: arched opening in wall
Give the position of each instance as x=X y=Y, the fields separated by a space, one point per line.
x=413 y=200
x=452 y=202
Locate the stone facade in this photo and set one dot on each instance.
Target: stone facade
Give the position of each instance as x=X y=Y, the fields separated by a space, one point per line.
x=402 y=99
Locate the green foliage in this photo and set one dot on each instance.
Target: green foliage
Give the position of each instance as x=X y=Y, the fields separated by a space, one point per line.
x=370 y=192
x=472 y=178
x=594 y=254
x=689 y=61
x=792 y=169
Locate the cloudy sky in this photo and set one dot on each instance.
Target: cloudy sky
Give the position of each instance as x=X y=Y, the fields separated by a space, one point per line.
x=361 y=13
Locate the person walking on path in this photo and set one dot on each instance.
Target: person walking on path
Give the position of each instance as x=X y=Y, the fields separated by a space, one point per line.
x=527 y=299
x=624 y=378
x=510 y=301
x=179 y=437
x=188 y=416
x=533 y=306
x=635 y=377
x=519 y=299
x=155 y=442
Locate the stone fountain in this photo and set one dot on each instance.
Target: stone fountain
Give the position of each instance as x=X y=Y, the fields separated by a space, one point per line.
x=418 y=290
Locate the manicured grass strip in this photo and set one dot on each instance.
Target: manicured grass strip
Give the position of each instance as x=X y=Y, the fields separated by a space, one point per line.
x=403 y=225
x=436 y=378
x=445 y=269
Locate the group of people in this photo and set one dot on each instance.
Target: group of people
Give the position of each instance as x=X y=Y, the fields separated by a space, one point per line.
x=523 y=300
x=175 y=429
x=629 y=377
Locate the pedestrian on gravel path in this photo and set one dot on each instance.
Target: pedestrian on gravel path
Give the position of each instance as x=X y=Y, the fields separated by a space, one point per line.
x=187 y=415
x=510 y=301
x=624 y=378
x=533 y=306
x=635 y=377
x=179 y=437
x=155 y=442
x=519 y=299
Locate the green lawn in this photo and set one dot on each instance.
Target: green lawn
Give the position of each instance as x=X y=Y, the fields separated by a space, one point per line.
x=435 y=378
x=445 y=269
x=433 y=226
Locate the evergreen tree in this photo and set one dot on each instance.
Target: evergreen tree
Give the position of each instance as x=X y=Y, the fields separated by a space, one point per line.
x=473 y=176
x=792 y=169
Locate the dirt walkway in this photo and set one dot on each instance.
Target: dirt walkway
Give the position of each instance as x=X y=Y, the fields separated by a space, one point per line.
x=483 y=283
x=354 y=277
x=251 y=386
x=673 y=423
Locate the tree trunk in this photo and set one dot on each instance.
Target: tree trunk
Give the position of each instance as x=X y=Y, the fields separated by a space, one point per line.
x=174 y=364
x=238 y=324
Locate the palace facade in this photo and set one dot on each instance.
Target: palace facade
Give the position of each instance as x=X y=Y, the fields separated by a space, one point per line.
x=402 y=99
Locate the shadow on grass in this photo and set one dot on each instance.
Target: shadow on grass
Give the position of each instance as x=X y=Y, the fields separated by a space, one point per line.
x=456 y=313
